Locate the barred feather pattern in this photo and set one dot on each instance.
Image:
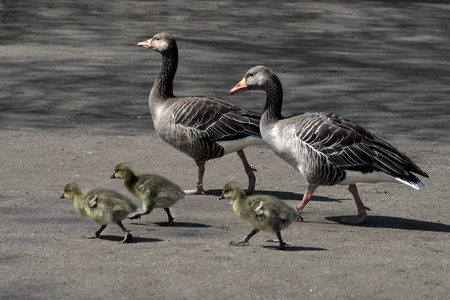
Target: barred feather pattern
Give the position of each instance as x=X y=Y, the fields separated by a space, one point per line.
x=323 y=146
x=194 y=125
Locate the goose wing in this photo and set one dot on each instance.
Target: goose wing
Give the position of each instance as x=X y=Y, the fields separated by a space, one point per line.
x=351 y=147
x=217 y=119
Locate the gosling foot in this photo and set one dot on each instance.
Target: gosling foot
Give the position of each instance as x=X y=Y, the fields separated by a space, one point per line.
x=170 y=223
x=135 y=216
x=169 y=216
x=128 y=238
x=93 y=236
x=238 y=243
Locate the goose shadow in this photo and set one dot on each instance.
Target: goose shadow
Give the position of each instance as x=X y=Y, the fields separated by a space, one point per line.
x=396 y=223
x=280 y=194
x=175 y=224
x=136 y=239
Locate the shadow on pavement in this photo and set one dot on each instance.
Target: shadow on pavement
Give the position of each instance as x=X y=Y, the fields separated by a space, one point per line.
x=397 y=223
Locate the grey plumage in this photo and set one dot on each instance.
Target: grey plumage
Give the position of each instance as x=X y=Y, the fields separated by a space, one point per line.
x=327 y=149
x=203 y=128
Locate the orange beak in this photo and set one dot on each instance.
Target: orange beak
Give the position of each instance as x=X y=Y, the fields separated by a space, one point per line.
x=147 y=44
x=239 y=88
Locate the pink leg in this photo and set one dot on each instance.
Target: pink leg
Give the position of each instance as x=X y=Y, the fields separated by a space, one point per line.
x=199 y=188
x=249 y=170
x=306 y=198
x=362 y=210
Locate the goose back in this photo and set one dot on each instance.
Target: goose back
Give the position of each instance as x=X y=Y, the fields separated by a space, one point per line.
x=197 y=126
x=327 y=148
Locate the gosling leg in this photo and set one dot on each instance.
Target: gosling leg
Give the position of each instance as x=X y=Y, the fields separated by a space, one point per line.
x=249 y=170
x=246 y=239
x=146 y=209
x=97 y=233
x=170 y=222
x=128 y=236
x=282 y=244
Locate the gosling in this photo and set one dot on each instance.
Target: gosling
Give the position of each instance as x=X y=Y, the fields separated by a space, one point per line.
x=264 y=212
x=101 y=205
x=152 y=190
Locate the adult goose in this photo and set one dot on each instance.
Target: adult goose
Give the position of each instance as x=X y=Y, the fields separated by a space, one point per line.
x=326 y=148
x=202 y=127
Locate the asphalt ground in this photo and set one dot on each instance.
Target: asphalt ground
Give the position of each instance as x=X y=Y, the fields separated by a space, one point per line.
x=73 y=104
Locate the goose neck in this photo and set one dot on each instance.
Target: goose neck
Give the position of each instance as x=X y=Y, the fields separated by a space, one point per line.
x=274 y=100
x=163 y=85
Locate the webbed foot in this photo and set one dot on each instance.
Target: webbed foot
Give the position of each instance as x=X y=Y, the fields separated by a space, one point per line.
x=128 y=238
x=358 y=219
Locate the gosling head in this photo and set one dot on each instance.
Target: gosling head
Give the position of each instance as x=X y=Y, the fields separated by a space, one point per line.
x=123 y=171
x=232 y=191
x=72 y=191
x=257 y=78
x=161 y=43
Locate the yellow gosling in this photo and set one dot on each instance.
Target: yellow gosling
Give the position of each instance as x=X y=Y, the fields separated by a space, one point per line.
x=152 y=190
x=264 y=212
x=101 y=205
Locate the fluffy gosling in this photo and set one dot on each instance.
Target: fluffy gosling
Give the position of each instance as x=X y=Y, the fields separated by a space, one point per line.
x=101 y=205
x=152 y=190
x=264 y=212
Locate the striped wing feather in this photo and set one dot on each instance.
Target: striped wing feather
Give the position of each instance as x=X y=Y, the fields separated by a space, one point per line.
x=218 y=119
x=351 y=147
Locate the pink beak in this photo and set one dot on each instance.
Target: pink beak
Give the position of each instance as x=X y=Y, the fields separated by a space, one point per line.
x=147 y=44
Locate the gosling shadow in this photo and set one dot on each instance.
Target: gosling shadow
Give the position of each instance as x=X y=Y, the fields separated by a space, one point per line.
x=136 y=239
x=184 y=224
x=396 y=223
x=295 y=248
x=175 y=224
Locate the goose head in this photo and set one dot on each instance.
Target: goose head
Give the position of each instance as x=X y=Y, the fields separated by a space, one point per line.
x=123 y=171
x=232 y=191
x=255 y=79
x=72 y=191
x=161 y=42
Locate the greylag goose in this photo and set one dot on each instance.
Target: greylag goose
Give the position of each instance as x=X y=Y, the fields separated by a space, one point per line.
x=326 y=148
x=264 y=212
x=101 y=205
x=152 y=190
x=203 y=128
